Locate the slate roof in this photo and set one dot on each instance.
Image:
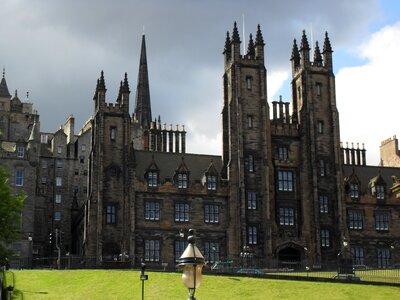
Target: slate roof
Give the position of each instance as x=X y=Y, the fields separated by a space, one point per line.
x=367 y=173
x=168 y=163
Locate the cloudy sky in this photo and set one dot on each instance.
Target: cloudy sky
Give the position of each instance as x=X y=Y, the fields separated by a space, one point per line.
x=55 y=49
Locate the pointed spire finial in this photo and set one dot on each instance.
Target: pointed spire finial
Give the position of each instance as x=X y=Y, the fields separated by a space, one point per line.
x=101 y=84
x=327 y=44
x=259 y=37
x=304 y=42
x=16 y=94
x=250 y=48
x=295 y=53
x=227 y=47
x=4 y=71
x=317 y=55
x=235 y=34
x=125 y=84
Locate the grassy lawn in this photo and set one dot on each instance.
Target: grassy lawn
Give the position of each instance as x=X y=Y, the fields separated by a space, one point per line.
x=114 y=284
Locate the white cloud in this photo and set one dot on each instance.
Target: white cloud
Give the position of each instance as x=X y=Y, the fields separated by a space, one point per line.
x=367 y=95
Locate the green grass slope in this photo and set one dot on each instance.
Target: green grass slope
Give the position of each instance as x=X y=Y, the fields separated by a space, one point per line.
x=119 y=284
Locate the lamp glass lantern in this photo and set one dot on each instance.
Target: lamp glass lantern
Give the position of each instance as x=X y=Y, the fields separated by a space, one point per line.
x=191 y=263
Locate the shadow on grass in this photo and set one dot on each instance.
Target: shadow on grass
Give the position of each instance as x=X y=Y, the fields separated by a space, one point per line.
x=233 y=278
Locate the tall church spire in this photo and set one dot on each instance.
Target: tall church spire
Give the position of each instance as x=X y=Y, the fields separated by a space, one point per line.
x=142 y=105
x=4 y=93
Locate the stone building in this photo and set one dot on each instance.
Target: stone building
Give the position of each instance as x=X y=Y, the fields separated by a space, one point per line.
x=124 y=187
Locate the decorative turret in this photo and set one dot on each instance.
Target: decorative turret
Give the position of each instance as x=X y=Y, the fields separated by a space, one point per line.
x=317 y=56
x=259 y=45
x=304 y=49
x=227 y=48
x=250 y=48
x=125 y=92
x=295 y=56
x=235 y=43
x=142 y=114
x=4 y=93
x=327 y=52
x=100 y=93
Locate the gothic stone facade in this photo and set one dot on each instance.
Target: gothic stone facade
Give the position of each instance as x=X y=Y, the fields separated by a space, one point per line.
x=125 y=188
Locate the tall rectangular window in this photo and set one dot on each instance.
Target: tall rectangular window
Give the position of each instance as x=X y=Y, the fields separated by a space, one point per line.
x=182 y=181
x=211 y=213
x=382 y=221
x=19 y=178
x=322 y=170
x=152 y=250
x=323 y=204
x=180 y=246
x=111 y=214
x=250 y=121
x=383 y=257
x=283 y=153
x=358 y=255
x=251 y=200
x=320 y=127
x=354 y=194
x=249 y=82
x=57 y=216
x=250 y=163
x=152 y=211
x=58 y=181
x=211 y=182
x=152 y=179
x=355 y=219
x=59 y=163
x=286 y=216
x=181 y=212
x=20 y=151
x=59 y=149
x=83 y=147
x=58 y=198
x=325 y=239
x=113 y=133
x=318 y=86
x=252 y=235
x=44 y=164
x=211 y=252
x=285 y=181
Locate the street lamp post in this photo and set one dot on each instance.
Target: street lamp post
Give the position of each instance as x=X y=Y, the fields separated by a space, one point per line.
x=30 y=240
x=143 y=276
x=191 y=262
x=245 y=255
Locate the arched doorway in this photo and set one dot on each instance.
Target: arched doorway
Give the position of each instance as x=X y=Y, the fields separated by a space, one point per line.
x=289 y=254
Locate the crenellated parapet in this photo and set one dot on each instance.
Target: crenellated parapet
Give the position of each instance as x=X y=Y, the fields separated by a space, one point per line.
x=255 y=48
x=352 y=155
x=301 y=57
x=281 y=122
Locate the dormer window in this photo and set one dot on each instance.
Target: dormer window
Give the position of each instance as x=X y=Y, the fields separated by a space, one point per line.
x=152 y=178
x=211 y=182
x=182 y=181
x=380 y=192
x=378 y=187
x=20 y=151
x=354 y=193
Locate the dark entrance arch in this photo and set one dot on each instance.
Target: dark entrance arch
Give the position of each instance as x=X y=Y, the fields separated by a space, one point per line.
x=289 y=254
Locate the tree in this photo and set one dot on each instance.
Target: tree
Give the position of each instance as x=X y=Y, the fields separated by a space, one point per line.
x=10 y=214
